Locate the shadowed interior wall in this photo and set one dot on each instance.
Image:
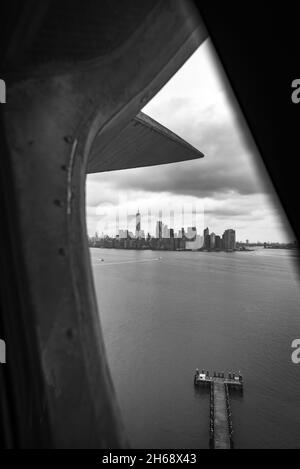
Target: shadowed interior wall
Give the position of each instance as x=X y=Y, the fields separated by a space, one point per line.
x=64 y=93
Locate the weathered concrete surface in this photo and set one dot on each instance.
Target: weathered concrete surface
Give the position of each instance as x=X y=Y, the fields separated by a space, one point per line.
x=221 y=430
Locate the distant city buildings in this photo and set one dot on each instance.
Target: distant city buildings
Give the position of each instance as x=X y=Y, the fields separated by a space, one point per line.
x=123 y=234
x=166 y=239
x=214 y=242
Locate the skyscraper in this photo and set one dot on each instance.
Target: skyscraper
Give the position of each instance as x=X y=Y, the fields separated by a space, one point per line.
x=229 y=240
x=218 y=242
x=206 y=239
x=212 y=241
x=159 y=229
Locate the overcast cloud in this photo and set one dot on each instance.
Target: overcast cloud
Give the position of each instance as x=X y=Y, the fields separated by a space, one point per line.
x=229 y=185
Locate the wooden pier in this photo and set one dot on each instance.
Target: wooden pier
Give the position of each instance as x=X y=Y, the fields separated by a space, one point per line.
x=221 y=429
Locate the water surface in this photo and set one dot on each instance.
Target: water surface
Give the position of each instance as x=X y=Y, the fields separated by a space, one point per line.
x=165 y=313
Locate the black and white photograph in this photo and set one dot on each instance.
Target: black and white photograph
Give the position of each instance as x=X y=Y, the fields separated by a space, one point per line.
x=150 y=302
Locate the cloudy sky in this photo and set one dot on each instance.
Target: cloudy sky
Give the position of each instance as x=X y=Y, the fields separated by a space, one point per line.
x=229 y=188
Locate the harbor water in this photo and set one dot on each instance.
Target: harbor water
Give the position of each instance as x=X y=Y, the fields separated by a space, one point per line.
x=163 y=314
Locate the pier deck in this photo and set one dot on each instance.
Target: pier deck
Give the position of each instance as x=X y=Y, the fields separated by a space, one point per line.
x=221 y=432
x=221 y=427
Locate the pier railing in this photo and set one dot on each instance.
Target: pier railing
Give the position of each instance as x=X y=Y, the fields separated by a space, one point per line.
x=211 y=417
x=229 y=416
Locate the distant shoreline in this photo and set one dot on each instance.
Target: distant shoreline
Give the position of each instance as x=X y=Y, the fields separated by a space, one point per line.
x=172 y=250
x=198 y=250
